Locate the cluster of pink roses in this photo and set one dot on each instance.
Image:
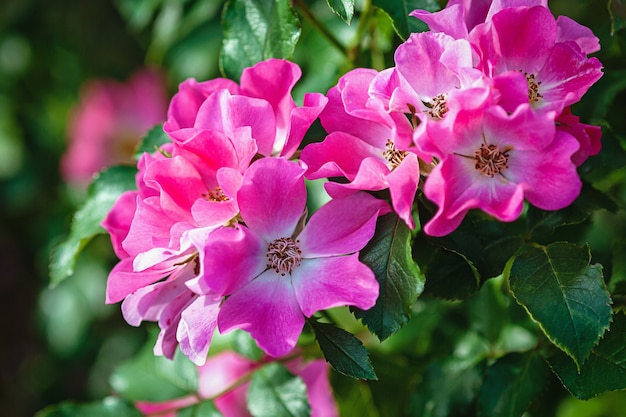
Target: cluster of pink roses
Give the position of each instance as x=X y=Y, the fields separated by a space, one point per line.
x=216 y=235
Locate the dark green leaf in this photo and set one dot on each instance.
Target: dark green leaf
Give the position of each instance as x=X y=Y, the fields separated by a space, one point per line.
x=152 y=141
x=448 y=388
x=605 y=370
x=204 y=409
x=343 y=8
x=154 y=378
x=449 y=275
x=108 y=407
x=255 y=30
x=564 y=294
x=511 y=384
x=618 y=277
x=399 y=11
x=343 y=351
x=275 y=392
x=388 y=254
x=102 y=193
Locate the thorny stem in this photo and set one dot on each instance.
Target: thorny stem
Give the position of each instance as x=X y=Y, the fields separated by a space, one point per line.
x=308 y=15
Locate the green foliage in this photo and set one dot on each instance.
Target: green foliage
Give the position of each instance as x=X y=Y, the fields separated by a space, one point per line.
x=343 y=8
x=102 y=193
x=564 y=294
x=154 y=378
x=343 y=351
x=399 y=11
x=204 y=409
x=604 y=370
x=255 y=30
x=275 y=392
x=108 y=407
x=511 y=384
x=152 y=141
x=388 y=254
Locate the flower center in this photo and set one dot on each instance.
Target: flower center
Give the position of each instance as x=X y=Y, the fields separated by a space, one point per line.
x=393 y=155
x=216 y=195
x=533 y=87
x=283 y=255
x=490 y=160
x=438 y=107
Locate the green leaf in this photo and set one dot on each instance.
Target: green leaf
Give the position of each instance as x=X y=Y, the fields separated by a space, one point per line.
x=275 y=392
x=155 y=378
x=204 y=409
x=448 y=388
x=102 y=193
x=564 y=294
x=343 y=351
x=449 y=274
x=511 y=384
x=388 y=254
x=605 y=370
x=399 y=11
x=255 y=30
x=108 y=407
x=152 y=141
x=343 y=8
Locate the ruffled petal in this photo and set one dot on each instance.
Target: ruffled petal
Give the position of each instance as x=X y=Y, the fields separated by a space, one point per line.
x=197 y=324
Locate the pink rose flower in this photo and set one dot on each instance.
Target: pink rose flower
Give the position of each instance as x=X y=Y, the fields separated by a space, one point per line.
x=109 y=121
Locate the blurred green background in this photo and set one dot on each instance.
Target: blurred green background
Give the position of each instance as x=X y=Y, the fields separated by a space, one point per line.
x=62 y=344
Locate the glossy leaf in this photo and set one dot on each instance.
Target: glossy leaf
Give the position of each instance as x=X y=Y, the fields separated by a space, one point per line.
x=511 y=384
x=255 y=30
x=152 y=141
x=605 y=370
x=108 y=407
x=388 y=254
x=343 y=8
x=155 y=378
x=102 y=193
x=345 y=353
x=399 y=11
x=275 y=392
x=564 y=294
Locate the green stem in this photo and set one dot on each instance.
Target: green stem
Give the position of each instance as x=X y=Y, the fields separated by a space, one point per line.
x=305 y=11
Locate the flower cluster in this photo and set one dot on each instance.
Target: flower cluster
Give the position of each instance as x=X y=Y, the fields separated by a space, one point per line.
x=216 y=233
x=482 y=101
x=476 y=115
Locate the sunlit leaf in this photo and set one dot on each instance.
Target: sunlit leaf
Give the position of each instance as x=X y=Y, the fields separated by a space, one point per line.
x=152 y=141
x=102 y=193
x=255 y=30
x=605 y=370
x=275 y=392
x=343 y=8
x=511 y=384
x=345 y=353
x=564 y=294
x=388 y=254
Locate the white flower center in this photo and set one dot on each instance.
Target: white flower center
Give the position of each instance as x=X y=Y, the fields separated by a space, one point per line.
x=283 y=255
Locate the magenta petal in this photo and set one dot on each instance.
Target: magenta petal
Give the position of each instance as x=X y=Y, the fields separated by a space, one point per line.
x=272 y=197
x=123 y=281
x=335 y=281
x=268 y=310
x=231 y=258
x=220 y=371
x=118 y=220
x=190 y=96
x=165 y=408
x=341 y=226
x=571 y=30
x=300 y=120
x=403 y=183
x=195 y=329
x=449 y=20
